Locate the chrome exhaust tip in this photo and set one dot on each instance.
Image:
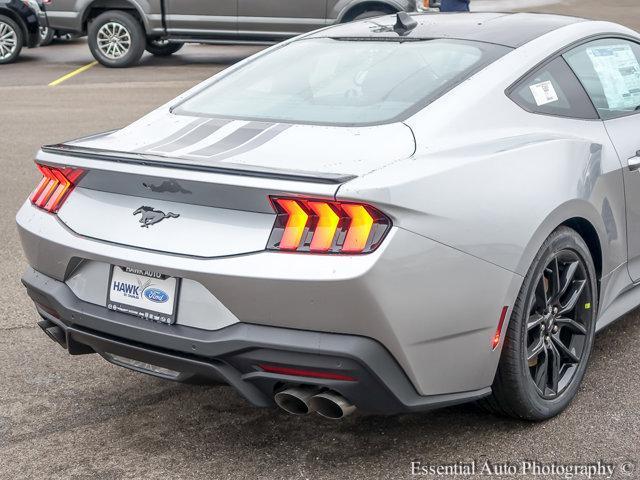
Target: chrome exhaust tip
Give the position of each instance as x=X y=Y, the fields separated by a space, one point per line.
x=296 y=400
x=331 y=405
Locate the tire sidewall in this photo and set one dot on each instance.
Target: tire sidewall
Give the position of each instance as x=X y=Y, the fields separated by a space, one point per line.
x=163 y=51
x=561 y=239
x=48 y=38
x=19 y=38
x=136 y=32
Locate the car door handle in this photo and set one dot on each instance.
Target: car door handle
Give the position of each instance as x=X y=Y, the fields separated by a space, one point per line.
x=634 y=163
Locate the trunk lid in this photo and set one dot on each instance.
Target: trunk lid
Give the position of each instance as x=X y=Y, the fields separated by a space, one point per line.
x=201 y=187
x=311 y=150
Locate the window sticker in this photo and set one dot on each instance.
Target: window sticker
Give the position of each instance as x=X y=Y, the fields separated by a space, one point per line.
x=544 y=93
x=619 y=72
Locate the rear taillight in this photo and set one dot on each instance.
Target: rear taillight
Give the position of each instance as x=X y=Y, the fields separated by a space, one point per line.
x=55 y=186
x=320 y=226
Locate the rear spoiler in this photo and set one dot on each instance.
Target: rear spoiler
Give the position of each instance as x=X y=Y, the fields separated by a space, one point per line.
x=229 y=169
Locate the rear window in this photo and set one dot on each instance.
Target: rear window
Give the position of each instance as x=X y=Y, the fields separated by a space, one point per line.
x=343 y=81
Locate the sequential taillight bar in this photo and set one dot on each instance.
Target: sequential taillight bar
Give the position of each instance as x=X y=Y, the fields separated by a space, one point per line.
x=55 y=186
x=321 y=226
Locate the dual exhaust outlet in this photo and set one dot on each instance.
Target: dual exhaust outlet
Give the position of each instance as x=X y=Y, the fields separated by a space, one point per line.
x=307 y=399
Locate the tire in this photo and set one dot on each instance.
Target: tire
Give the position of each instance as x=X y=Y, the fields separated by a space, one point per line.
x=12 y=40
x=370 y=14
x=162 y=48
x=524 y=387
x=46 y=36
x=116 y=39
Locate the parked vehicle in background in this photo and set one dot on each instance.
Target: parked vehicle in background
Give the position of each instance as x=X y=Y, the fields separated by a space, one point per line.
x=119 y=31
x=46 y=34
x=19 y=27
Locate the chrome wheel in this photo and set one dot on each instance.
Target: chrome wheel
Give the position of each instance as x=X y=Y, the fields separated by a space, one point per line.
x=8 y=41
x=558 y=322
x=114 y=40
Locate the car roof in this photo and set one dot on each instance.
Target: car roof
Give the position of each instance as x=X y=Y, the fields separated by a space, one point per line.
x=508 y=29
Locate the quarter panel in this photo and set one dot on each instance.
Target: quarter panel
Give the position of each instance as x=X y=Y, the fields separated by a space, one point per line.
x=493 y=180
x=500 y=205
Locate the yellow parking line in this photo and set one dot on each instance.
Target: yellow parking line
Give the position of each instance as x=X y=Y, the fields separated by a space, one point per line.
x=72 y=74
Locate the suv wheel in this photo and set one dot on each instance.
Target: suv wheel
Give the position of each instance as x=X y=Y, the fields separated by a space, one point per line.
x=162 y=48
x=116 y=39
x=46 y=36
x=11 y=40
x=550 y=335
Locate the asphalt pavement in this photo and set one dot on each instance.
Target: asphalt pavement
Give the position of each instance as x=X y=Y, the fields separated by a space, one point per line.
x=80 y=417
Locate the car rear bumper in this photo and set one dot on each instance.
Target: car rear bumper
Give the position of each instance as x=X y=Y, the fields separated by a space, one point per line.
x=434 y=308
x=233 y=354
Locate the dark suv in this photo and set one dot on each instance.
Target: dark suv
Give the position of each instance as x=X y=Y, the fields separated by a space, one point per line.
x=19 y=27
x=119 y=31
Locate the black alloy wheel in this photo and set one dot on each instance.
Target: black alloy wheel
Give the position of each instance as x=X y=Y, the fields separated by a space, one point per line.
x=559 y=315
x=550 y=333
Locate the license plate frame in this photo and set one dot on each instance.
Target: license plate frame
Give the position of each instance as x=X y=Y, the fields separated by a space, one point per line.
x=138 y=303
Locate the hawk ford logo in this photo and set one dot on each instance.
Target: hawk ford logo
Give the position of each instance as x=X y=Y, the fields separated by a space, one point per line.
x=151 y=216
x=156 y=295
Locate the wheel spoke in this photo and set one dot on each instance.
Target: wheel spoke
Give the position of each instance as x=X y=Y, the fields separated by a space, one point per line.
x=567 y=277
x=573 y=298
x=542 y=372
x=555 y=365
x=564 y=350
x=534 y=320
x=555 y=272
x=541 y=292
x=534 y=351
x=571 y=324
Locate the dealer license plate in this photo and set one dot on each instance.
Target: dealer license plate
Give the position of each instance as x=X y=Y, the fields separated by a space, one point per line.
x=143 y=293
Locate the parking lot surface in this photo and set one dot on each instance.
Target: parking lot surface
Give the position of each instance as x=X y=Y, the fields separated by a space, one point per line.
x=80 y=417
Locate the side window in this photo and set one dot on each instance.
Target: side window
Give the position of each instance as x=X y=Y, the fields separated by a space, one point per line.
x=610 y=72
x=554 y=90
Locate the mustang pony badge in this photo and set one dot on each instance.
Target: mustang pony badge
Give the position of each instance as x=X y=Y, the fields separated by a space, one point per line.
x=151 y=216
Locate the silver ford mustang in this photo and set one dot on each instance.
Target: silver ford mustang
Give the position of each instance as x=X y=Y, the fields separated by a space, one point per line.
x=391 y=215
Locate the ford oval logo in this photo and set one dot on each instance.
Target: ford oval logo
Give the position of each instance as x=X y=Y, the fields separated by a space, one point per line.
x=156 y=295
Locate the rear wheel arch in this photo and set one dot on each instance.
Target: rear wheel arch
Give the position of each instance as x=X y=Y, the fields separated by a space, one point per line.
x=354 y=9
x=589 y=234
x=97 y=7
x=580 y=216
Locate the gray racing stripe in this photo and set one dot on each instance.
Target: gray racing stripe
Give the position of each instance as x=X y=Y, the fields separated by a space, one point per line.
x=256 y=142
x=200 y=133
x=174 y=136
x=234 y=140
